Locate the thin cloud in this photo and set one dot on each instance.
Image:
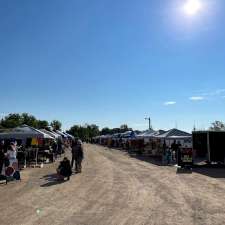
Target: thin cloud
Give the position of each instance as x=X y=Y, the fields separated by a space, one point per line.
x=196 y=98
x=217 y=92
x=170 y=103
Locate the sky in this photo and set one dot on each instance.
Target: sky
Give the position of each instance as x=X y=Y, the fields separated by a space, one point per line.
x=112 y=62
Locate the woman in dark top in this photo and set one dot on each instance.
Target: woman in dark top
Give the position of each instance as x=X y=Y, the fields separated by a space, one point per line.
x=64 y=169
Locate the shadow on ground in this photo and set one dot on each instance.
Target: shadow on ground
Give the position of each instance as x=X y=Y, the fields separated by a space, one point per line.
x=52 y=179
x=214 y=171
x=153 y=160
x=150 y=159
x=210 y=171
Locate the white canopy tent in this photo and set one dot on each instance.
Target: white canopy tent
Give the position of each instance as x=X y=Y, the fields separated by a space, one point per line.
x=149 y=134
x=23 y=132
x=69 y=135
x=184 y=138
x=51 y=133
x=60 y=133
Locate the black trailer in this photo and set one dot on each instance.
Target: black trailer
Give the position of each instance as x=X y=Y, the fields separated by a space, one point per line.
x=209 y=145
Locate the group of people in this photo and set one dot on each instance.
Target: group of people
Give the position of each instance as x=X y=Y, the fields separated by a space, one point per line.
x=65 y=167
x=171 y=154
x=8 y=159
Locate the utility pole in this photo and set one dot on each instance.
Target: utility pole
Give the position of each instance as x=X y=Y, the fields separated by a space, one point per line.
x=194 y=129
x=149 y=122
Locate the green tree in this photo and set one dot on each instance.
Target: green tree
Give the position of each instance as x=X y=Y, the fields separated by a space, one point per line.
x=74 y=130
x=217 y=126
x=124 y=128
x=93 y=130
x=105 y=131
x=42 y=124
x=29 y=120
x=115 y=131
x=12 y=120
x=56 y=125
x=84 y=132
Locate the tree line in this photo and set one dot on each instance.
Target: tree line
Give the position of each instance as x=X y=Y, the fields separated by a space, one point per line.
x=84 y=132
x=15 y=119
x=89 y=131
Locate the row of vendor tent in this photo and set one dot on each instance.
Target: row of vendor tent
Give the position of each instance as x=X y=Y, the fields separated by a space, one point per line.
x=57 y=134
x=53 y=134
x=25 y=132
x=125 y=135
x=149 y=141
x=173 y=134
x=168 y=136
x=149 y=133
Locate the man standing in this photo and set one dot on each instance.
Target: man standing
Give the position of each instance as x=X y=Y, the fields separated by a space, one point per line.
x=164 y=153
x=54 y=150
x=77 y=155
x=174 y=148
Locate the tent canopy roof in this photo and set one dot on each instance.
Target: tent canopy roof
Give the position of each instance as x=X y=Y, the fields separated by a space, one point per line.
x=61 y=133
x=174 y=133
x=150 y=133
x=54 y=135
x=23 y=132
x=69 y=135
x=128 y=134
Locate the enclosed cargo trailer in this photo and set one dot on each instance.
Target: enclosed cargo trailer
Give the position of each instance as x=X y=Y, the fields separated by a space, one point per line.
x=209 y=144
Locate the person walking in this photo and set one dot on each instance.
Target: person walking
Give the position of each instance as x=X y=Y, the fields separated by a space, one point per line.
x=12 y=155
x=168 y=156
x=174 y=148
x=73 y=151
x=77 y=155
x=164 y=153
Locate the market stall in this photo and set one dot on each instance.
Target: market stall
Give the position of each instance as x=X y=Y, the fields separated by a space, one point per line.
x=151 y=144
x=32 y=141
x=181 y=138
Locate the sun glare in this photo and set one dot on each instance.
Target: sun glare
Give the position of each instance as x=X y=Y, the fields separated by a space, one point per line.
x=192 y=7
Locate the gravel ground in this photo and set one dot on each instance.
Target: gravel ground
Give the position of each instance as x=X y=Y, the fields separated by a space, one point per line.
x=115 y=189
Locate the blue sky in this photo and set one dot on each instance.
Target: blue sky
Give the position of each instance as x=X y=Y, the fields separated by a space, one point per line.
x=113 y=62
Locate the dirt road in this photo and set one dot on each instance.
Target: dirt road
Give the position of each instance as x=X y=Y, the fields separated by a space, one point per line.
x=115 y=189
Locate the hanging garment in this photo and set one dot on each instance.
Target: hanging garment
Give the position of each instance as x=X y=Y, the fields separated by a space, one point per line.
x=34 y=142
x=40 y=142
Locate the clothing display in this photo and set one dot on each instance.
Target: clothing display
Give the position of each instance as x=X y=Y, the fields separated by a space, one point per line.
x=34 y=142
x=40 y=141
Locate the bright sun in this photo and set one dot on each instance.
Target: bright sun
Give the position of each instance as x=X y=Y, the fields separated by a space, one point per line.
x=192 y=7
